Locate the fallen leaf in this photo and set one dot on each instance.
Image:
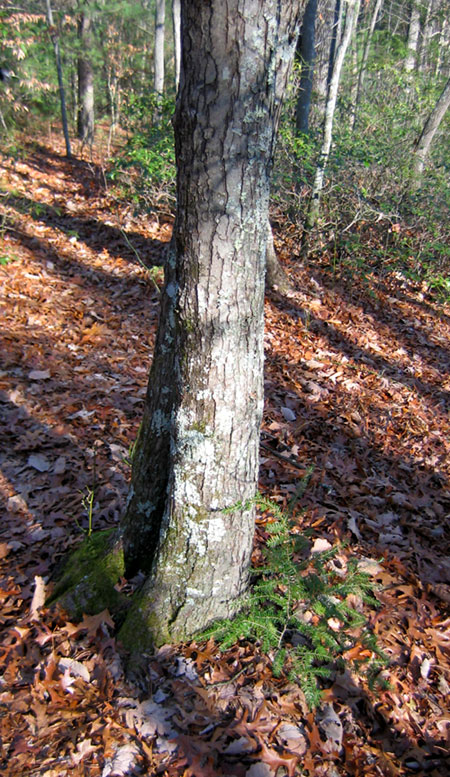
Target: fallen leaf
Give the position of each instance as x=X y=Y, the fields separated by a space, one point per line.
x=331 y=727
x=39 y=375
x=122 y=763
x=320 y=545
x=16 y=504
x=74 y=668
x=288 y=414
x=260 y=769
x=84 y=748
x=39 y=461
x=38 y=600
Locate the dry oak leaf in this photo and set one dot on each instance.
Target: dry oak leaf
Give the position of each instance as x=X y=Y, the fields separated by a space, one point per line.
x=84 y=748
x=274 y=759
x=122 y=763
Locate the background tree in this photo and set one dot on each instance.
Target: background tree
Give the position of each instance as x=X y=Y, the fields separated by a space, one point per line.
x=305 y=55
x=364 y=58
x=176 y=25
x=85 y=78
x=190 y=519
x=429 y=131
x=55 y=40
x=412 y=43
x=160 y=14
x=351 y=15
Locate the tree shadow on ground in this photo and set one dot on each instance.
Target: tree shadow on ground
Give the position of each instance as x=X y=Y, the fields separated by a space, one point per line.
x=95 y=234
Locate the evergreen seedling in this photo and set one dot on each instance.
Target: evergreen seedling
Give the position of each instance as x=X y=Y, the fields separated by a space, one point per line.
x=297 y=612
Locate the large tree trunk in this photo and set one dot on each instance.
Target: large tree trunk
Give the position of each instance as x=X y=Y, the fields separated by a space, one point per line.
x=189 y=523
x=430 y=128
x=351 y=16
x=306 y=51
x=85 y=123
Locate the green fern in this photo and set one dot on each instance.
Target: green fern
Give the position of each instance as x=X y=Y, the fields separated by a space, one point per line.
x=290 y=606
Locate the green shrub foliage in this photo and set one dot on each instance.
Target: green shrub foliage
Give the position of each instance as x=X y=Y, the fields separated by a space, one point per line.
x=297 y=610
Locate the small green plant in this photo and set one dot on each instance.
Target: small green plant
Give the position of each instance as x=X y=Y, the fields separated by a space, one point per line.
x=145 y=169
x=297 y=610
x=153 y=273
x=7 y=259
x=128 y=459
x=88 y=500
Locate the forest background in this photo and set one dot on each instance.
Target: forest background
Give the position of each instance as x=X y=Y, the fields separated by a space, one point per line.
x=366 y=142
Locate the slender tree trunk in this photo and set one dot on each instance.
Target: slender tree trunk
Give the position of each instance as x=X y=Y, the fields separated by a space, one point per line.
x=364 y=60
x=85 y=123
x=443 y=46
x=427 y=29
x=176 y=22
x=335 y=36
x=160 y=12
x=323 y=37
x=55 y=42
x=306 y=49
x=413 y=36
x=190 y=518
x=430 y=128
x=351 y=16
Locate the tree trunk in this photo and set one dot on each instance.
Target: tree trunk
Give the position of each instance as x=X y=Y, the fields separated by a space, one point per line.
x=160 y=12
x=323 y=37
x=306 y=54
x=176 y=21
x=364 y=60
x=427 y=30
x=85 y=124
x=276 y=278
x=442 y=48
x=351 y=16
x=189 y=523
x=430 y=128
x=55 y=42
x=413 y=37
x=335 y=37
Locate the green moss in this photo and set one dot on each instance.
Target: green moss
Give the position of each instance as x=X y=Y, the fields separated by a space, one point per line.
x=146 y=625
x=89 y=575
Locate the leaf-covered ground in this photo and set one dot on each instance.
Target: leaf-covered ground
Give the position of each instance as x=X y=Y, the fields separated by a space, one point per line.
x=357 y=387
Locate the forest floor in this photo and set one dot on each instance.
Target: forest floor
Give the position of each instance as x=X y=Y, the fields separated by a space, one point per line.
x=357 y=388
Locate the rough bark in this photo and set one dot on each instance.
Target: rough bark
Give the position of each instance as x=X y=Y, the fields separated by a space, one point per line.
x=160 y=12
x=85 y=120
x=190 y=518
x=306 y=49
x=430 y=128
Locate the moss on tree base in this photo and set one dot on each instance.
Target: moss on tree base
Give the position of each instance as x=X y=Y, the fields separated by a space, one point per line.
x=86 y=585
